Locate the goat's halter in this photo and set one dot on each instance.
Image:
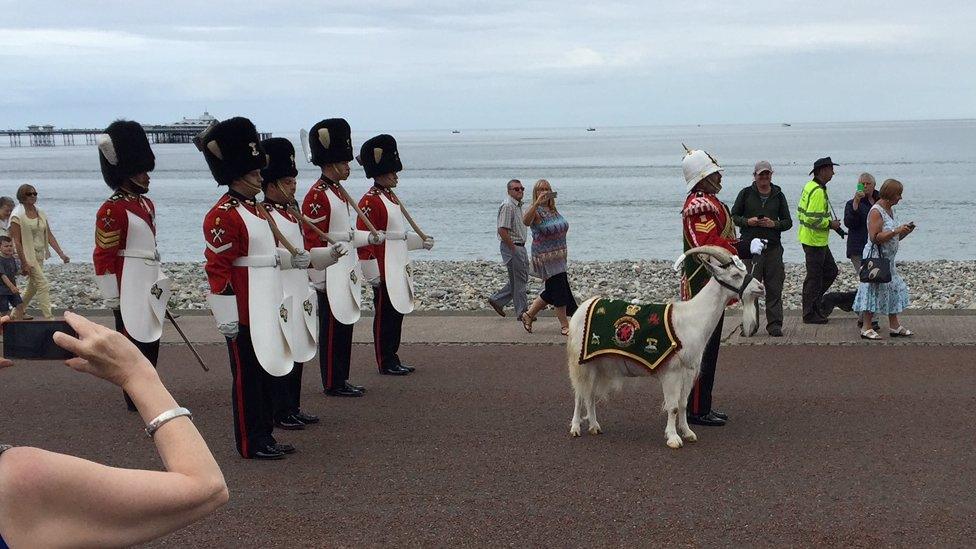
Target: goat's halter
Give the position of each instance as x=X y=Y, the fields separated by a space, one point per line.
x=745 y=281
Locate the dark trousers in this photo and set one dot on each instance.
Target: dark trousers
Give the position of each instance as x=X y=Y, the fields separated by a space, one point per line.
x=821 y=273
x=768 y=268
x=286 y=392
x=335 y=346
x=149 y=350
x=251 y=395
x=387 y=324
x=700 y=398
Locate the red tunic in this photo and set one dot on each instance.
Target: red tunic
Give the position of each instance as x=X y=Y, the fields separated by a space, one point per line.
x=227 y=239
x=317 y=207
x=112 y=228
x=706 y=221
x=375 y=210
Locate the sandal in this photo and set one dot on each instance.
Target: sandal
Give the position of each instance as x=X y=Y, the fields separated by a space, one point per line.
x=901 y=332
x=870 y=334
x=527 y=321
x=564 y=330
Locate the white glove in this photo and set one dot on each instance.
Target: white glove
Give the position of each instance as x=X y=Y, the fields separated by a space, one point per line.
x=339 y=249
x=377 y=238
x=301 y=260
x=757 y=246
x=429 y=243
x=112 y=303
x=229 y=330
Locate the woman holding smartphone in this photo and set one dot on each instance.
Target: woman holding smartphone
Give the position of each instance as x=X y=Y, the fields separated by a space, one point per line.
x=856 y=220
x=888 y=298
x=549 y=255
x=53 y=500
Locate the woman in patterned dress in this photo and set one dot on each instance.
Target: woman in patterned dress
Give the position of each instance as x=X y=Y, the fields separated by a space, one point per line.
x=888 y=298
x=549 y=230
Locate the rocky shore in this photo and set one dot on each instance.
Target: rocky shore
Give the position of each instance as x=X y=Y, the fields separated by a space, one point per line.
x=464 y=285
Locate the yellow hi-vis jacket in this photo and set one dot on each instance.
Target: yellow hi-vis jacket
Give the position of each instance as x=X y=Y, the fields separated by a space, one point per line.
x=813 y=214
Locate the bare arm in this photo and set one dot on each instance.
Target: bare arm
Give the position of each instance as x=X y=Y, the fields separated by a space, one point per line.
x=54 y=244
x=876 y=229
x=49 y=499
x=506 y=235
x=9 y=284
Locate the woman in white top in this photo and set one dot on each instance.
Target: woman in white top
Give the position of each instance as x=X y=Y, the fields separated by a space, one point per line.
x=32 y=234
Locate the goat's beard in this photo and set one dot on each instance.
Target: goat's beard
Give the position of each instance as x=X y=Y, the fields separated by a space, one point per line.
x=750 y=315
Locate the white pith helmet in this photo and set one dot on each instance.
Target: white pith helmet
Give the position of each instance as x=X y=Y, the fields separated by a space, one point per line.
x=697 y=165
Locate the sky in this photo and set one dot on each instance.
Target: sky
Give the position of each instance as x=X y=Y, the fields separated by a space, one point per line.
x=434 y=64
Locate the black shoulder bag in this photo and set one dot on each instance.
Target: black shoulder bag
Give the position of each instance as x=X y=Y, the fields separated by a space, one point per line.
x=875 y=270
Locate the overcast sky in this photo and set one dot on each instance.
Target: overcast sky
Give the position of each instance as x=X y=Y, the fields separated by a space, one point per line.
x=389 y=64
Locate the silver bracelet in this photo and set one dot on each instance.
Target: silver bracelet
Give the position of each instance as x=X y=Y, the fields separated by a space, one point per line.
x=164 y=417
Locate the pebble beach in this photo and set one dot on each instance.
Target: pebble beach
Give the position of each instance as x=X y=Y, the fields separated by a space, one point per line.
x=465 y=285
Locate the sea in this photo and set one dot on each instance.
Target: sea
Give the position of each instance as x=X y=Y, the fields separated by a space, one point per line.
x=621 y=189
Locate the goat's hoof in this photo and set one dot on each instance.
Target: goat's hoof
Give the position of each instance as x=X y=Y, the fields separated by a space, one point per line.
x=675 y=442
x=595 y=430
x=689 y=436
x=574 y=430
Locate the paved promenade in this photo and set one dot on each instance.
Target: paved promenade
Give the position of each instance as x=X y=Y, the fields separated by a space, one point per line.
x=952 y=327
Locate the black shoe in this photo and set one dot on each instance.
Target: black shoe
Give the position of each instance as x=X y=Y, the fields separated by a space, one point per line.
x=359 y=388
x=289 y=423
x=815 y=321
x=268 y=452
x=343 y=391
x=394 y=371
x=284 y=448
x=775 y=332
x=721 y=415
x=305 y=418
x=498 y=309
x=410 y=369
x=709 y=420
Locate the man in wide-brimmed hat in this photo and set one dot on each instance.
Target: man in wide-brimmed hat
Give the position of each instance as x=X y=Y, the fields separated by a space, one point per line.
x=816 y=220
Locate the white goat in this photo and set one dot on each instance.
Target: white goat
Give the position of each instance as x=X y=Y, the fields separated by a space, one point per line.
x=693 y=322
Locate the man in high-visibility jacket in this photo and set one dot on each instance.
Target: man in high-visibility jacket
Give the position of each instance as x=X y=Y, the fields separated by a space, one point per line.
x=816 y=220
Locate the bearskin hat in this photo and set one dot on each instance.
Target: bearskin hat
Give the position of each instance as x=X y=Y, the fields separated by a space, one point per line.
x=330 y=141
x=281 y=159
x=379 y=156
x=232 y=149
x=123 y=151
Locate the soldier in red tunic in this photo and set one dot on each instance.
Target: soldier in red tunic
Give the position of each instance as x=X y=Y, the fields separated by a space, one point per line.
x=126 y=262
x=339 y=288
x=243 y=268
x=386 y=265
x=706 y=220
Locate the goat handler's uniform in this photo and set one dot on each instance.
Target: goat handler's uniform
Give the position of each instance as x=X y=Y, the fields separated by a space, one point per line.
x=126 y=262
x=706 y=220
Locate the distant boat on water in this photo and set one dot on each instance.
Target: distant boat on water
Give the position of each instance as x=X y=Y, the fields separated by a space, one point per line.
x=785 y=125
x=455 y=131
x=591 y=129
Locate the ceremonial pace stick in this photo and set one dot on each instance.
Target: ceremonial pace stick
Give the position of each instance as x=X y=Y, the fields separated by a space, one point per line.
x=410 y=220
x=303 y=138
x=187 y=341
x=274 y=229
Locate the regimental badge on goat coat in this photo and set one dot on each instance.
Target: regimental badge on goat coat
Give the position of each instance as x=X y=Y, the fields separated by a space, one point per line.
x=639 y=332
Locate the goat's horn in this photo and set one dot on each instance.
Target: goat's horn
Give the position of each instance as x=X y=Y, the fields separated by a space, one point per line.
x=721 y=254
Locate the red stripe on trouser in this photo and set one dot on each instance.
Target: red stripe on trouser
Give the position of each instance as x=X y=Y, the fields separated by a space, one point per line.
x=377 y=329
x=239 y=396
x=328 y=360
x=695 y=403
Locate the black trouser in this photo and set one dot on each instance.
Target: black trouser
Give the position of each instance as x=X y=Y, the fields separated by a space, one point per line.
x=821 y=273
x=149 y=350
x=700 y=398
x=387 y=324
x=335 y=346
x=251 y=396
x=768 y=268
x=286 y=392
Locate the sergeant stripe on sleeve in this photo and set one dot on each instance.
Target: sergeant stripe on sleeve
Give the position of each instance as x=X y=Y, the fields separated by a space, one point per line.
x=107 y=239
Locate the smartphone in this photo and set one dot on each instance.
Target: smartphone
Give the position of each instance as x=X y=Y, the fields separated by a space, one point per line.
x=553 y=194
x=34 y=339
x=860 y=187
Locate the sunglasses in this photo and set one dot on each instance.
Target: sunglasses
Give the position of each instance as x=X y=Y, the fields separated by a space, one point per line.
x=30 y=194
x=518 y=188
